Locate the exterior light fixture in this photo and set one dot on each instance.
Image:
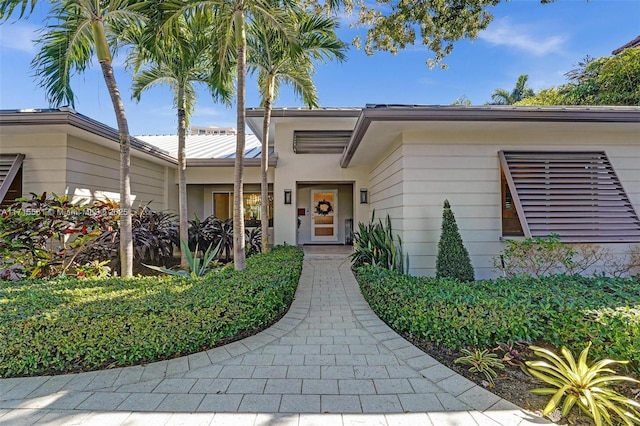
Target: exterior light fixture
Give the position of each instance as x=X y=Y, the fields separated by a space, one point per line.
x=287 y=196
x=364 y=196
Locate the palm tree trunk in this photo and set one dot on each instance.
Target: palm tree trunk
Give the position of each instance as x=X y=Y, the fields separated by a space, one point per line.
x=238 y=214
x=264 y=163
x=182 y=176
x=126 y=239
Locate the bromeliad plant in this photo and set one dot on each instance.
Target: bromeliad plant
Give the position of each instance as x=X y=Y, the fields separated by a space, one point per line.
x=481 y=361
x=197 y=267
x=584 y=385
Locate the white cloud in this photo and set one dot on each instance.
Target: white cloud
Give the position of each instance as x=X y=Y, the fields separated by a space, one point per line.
x=523 y=37
x=18 y=36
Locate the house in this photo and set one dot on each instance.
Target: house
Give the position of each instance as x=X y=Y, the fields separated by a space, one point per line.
x=633 y=43
x=507 y=171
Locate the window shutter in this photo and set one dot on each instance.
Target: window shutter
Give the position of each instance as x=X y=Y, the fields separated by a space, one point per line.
x=9 y=166
x=576 y=195
x=320 y=142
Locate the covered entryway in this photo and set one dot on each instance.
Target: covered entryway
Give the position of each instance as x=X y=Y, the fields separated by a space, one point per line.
x=325 y=213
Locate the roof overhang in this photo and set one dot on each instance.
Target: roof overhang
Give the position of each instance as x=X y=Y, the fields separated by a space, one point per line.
x=67 y=120
x=381 y=124
x=229 y=162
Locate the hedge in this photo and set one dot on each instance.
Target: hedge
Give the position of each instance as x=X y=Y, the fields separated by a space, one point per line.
x=71 y=325
x=556 y=310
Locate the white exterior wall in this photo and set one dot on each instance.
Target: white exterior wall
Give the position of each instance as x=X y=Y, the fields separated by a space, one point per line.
x=464 y=168
x=309 y=168
x=93 y=171
x=45 y=160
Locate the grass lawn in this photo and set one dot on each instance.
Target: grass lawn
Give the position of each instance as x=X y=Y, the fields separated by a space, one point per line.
x=70 y=325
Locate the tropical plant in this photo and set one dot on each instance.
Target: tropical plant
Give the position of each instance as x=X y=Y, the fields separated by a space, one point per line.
x=179 y=59
x=518 y=93
x=78 y=29
x=453 y=258
x=583 y=384
x=155 y=234
x=374 y=244
x=94 y=269
x=230 y=33
x=212 y=230
x=278 y=62
x=253 y=237
x=197 y=267
x=481 y=361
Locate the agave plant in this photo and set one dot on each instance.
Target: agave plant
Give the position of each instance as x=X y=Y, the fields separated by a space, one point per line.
x=584 y=385
x=197 y=267
x=481 y=361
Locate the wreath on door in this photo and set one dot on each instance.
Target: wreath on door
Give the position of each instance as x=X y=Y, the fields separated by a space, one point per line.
x=324 y=207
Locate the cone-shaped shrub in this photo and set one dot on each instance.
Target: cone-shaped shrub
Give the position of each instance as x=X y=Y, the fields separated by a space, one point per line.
x=453 y=258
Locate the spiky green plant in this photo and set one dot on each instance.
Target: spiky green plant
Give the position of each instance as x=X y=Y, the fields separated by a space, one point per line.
x=584 y=385
x=197 y=267
x=374 y=244
x=481 y=361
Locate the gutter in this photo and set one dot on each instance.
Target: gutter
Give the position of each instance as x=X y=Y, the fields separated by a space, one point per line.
x=228 y=162
x=67 y=116
x=489 y=113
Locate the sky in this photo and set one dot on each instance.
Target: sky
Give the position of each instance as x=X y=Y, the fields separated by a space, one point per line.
x=525 y=37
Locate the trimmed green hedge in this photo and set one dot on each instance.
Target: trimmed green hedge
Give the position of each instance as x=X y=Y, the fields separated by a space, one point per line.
x=556 y=310
x=66 y=325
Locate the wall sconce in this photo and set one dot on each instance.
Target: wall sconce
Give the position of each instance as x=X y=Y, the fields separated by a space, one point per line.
x=364 y=196
x=287 y=196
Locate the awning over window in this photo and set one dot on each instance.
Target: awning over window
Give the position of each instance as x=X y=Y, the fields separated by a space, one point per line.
x=9 y=167
x=320 y=142
x=576 y=195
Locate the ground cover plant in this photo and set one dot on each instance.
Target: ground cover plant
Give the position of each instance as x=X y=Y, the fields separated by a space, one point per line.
x=555 y=311
x=69 y=325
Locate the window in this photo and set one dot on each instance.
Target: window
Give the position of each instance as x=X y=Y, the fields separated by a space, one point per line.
x=223 y=207
x=576 y=195
x=10 y=178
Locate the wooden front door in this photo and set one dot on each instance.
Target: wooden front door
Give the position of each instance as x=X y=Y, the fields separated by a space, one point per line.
x=324 y=215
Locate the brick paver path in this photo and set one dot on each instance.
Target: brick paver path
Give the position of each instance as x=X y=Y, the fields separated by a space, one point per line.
x=329 y=354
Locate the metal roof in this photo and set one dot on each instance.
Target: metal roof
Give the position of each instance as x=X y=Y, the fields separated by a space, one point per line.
x=205 y=146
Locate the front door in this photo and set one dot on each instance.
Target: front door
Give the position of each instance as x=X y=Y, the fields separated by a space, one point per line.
x=324 y=215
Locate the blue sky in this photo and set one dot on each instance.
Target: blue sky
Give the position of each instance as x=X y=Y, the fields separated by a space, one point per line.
x=544 y=41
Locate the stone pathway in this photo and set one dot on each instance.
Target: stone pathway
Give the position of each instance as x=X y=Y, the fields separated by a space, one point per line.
x=329 y=361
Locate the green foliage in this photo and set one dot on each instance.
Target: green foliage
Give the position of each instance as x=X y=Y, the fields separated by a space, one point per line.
x=212 y=231
x=609 y=80
x=558 y=310
x=481 y=361
x=583 y=384
x=547 y=256
x=46 y=236
x=197 y=267
x=252 y=241
x=155 y=234
x=70 y=325
x=453 y=258
x=518 y=93
x=94 y=269
x=374 y=244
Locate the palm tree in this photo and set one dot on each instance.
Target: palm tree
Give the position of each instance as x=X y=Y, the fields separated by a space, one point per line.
x=179 y=59
x=81 y=28
x=229 y=35
x=519 y=92
x=271 y=55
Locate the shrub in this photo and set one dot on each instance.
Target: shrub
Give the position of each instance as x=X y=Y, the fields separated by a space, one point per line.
x=583 y=384
x=374 y=244
x=212 y=231
x=481 y=361
x=542 y=256
x=556 y=310
x=46 y=236
x=453 y=258
x=197 y=267
x=72 y=325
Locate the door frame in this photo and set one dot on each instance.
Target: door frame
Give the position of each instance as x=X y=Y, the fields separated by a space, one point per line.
x=328 y=238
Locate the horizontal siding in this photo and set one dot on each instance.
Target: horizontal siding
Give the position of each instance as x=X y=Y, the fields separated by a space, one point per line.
x=468 y=175
x=45 y=159
x=95 y=169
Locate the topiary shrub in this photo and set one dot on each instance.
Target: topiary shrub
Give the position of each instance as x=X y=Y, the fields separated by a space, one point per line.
x=453 y=258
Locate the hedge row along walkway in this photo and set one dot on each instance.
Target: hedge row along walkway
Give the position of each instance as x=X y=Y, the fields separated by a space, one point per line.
x=329 y=361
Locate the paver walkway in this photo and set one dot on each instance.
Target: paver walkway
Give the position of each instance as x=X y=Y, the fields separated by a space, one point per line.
x=329 y=361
